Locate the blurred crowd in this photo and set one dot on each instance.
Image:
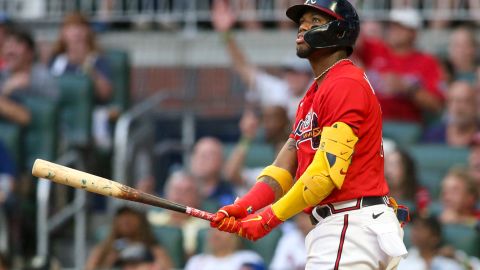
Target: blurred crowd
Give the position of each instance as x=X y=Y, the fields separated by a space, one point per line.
x=434 y=95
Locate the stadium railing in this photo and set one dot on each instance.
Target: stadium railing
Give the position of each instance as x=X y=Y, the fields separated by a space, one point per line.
x=188 y=13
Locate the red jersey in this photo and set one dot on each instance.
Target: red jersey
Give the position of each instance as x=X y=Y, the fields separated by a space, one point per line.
x=415 y=68
x=344 y=95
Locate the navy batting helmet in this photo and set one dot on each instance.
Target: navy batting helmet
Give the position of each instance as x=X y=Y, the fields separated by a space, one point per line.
x=342 y=31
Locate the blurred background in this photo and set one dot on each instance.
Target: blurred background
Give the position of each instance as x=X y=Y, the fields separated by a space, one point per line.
x=189 y=100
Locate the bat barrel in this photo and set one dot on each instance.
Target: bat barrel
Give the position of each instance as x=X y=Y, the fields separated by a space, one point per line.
x=92 y=183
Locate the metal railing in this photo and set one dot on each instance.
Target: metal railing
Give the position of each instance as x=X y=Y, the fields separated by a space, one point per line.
x=188 y=12
x=75 y=210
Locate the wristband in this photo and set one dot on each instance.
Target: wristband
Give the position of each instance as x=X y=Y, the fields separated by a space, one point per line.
x=259 y=196
x=282 y=176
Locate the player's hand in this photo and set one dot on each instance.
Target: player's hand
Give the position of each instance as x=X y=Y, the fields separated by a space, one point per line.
x=256 y=226
x=234 y=211
x=229 y=224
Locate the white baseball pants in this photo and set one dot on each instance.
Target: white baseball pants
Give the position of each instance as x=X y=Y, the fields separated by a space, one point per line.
x=363 y=239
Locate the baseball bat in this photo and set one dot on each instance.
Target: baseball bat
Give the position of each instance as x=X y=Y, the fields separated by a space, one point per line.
x=92 y=183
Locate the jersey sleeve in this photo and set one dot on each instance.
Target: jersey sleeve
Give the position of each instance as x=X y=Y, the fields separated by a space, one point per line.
x=345 y=101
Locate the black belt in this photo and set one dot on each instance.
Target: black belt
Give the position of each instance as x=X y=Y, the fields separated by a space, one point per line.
x=328 y=209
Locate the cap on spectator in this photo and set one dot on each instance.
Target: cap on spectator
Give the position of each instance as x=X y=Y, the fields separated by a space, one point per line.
x=407 y=17
x=297 y=64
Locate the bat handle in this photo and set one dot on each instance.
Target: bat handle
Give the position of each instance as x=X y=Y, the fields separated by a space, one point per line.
x=199 y=213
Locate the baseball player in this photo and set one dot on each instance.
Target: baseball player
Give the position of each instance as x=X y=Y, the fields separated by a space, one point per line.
x=334 y=152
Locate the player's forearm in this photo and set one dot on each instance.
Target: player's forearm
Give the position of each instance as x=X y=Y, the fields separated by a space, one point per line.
x=287 y=157
x=274 y=181
x=286 y=160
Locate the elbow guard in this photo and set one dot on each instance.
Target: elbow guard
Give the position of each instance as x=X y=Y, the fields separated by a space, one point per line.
x=330 y=164
x=337 y=144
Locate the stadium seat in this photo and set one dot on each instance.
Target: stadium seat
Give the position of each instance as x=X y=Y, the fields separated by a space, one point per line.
x=265 y=247
x=462 y=237
x=210 y=205
x=201 y=240
x=76 y=105
x=120 y=72
x=403 y=133
x=11 y=137
x=171 y=238
x=259 y=154
x=40 y=140
x=434 y=161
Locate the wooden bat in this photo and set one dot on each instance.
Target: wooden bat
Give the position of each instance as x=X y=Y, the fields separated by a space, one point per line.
x=92 y=183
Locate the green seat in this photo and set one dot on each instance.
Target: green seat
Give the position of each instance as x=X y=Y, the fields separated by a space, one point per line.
x=433 y=162
x=76 y=106
x=210 y=205
x=259 y=154
x=171 y=238
x=403 y=133
x=120 y=72
x=265 y=247
x=40 y=140
x=202 y=240
x=462 y=237
x=10 y=135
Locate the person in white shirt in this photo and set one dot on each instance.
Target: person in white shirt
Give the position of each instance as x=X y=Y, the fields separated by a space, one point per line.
x=264 y=88
x=290 y=253
x=426 y=236
x=223 y=253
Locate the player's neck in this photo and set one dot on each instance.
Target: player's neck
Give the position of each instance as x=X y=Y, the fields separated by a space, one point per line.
x=321 y=62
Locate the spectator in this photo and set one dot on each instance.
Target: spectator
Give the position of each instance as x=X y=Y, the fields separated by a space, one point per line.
x=459 y=196
x=408 y=82
x=290 y=253
x=462 y=60
x=460 y=123
x=223 y=253
x=276 y=126
x=181 y=188
x=426 y=237
x=129 y=244
x=22 y=77
x=76 y=52
x=401 y=175
x=206 y=165
x=263 y=87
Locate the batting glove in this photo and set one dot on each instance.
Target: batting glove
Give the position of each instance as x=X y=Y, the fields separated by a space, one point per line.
x=256 y=226
x=227 y=214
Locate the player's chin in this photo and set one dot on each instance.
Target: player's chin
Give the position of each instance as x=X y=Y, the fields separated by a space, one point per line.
x=303 y=50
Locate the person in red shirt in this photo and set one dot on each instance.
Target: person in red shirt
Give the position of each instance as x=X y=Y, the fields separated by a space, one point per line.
x=332 y=162
x=408 y=82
